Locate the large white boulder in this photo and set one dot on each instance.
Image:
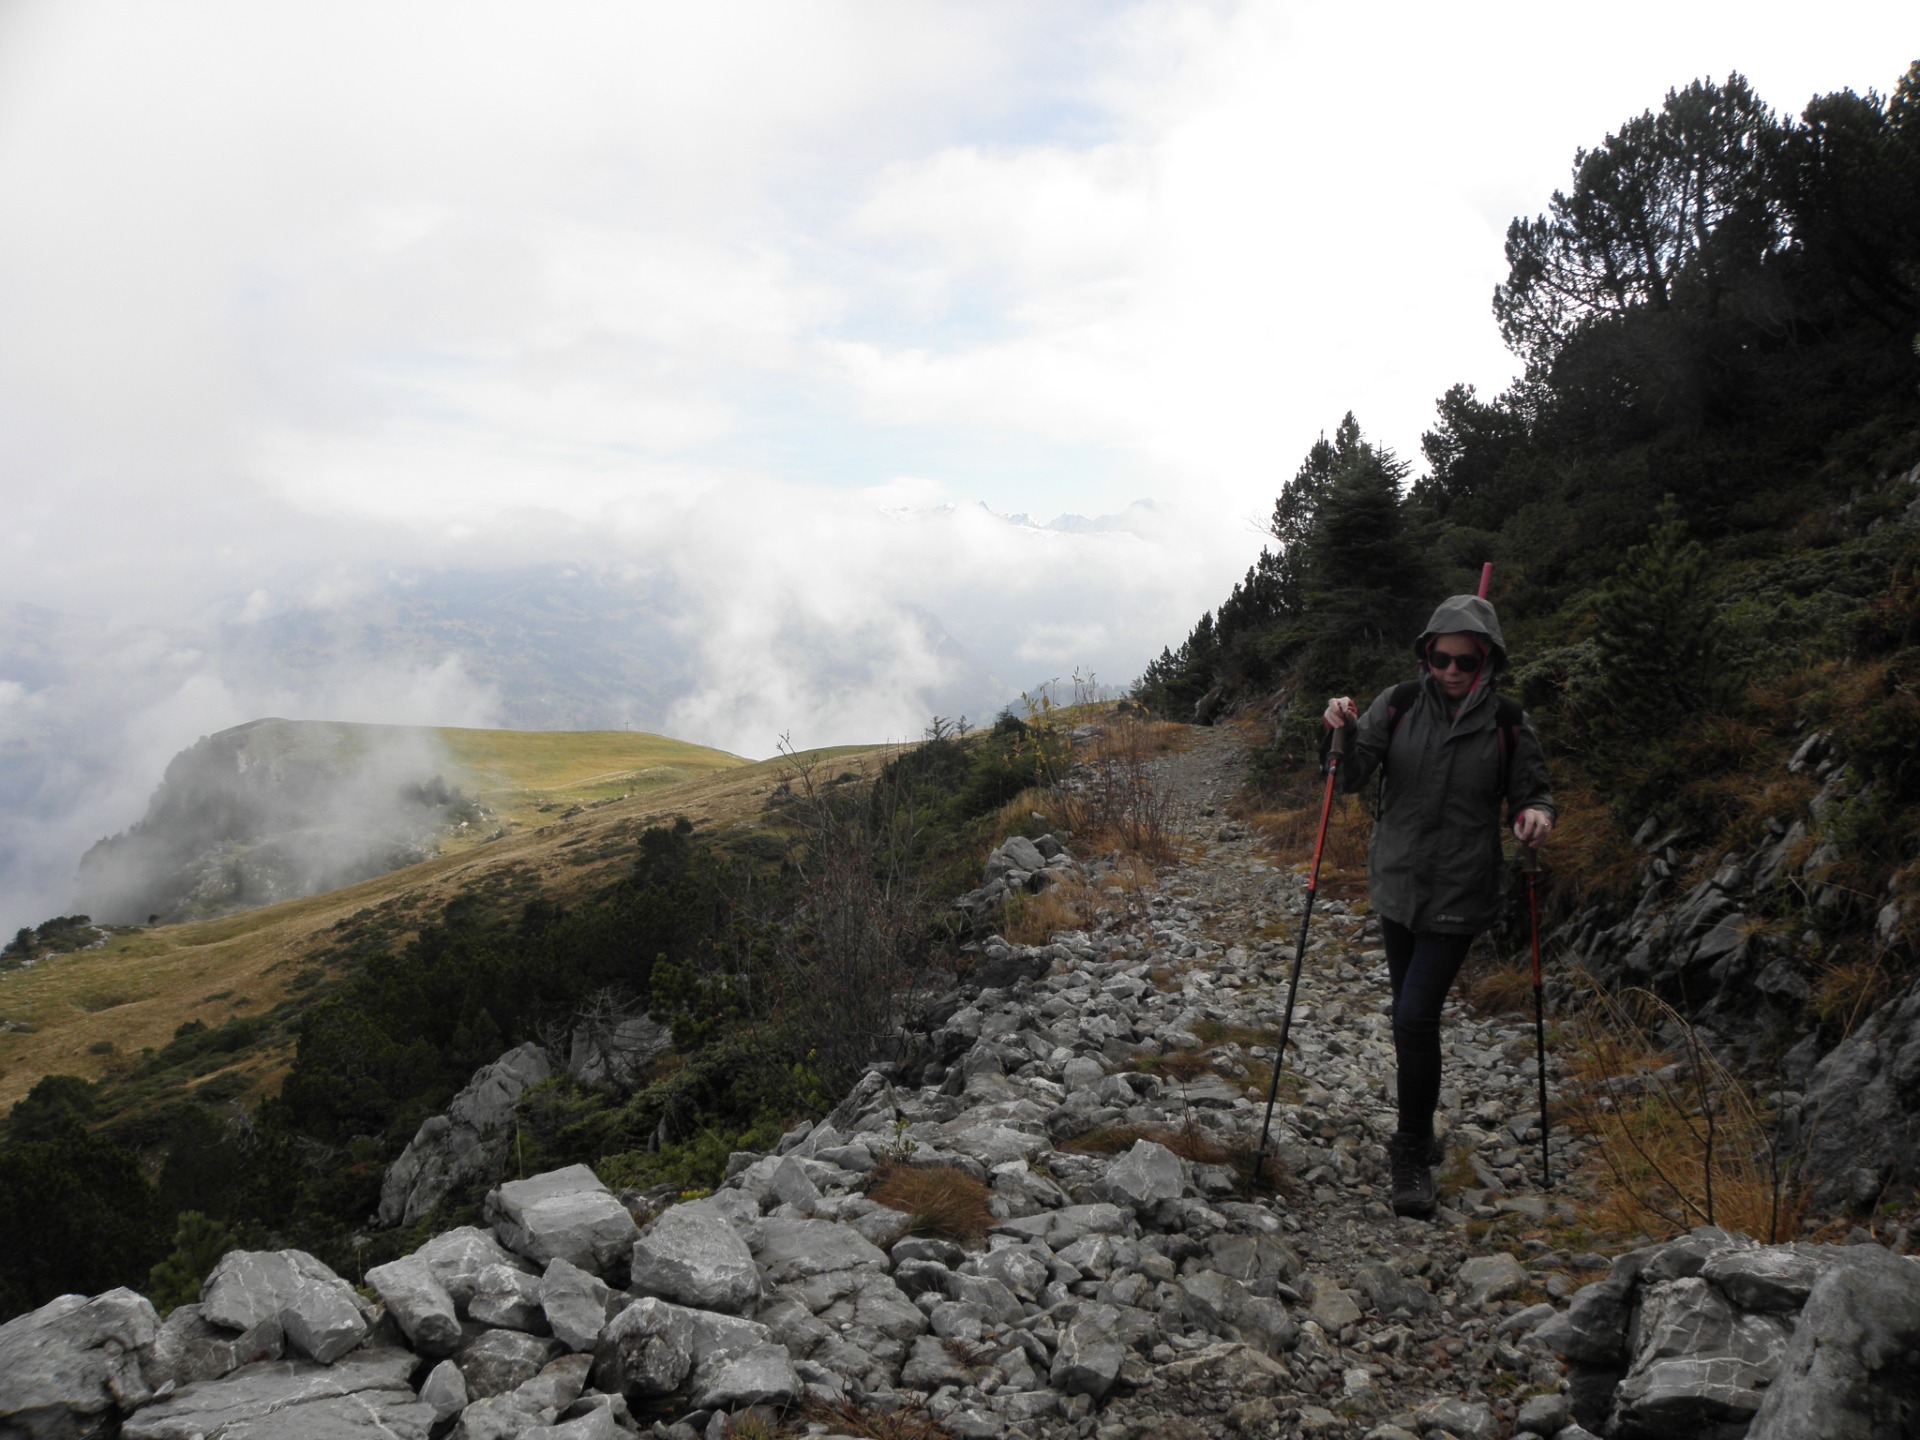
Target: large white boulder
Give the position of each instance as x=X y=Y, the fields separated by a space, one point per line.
x=316 y=1308
x=566 y=1214
x=692 y=1256
x=68 y=1366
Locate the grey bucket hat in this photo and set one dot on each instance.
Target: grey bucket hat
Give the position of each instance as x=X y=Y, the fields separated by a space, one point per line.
x=1465 y=615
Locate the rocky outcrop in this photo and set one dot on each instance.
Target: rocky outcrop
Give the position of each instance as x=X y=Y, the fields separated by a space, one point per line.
x=468 y=1143
x=1861 y=1109
x=1018 y=866
x=1712 y=1334
x=273 y=810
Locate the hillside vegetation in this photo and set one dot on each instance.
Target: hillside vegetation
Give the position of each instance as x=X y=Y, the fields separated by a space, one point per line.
x=1695 y=499
x=189 y=1088
x=563 y=807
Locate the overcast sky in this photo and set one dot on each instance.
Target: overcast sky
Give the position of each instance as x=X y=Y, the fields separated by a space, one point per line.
x=293 y=294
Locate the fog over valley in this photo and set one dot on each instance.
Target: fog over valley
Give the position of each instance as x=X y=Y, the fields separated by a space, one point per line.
x=733 y=373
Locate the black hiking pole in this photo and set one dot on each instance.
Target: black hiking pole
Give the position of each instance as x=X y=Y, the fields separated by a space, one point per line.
x=1530 y=862
x=1334 y=753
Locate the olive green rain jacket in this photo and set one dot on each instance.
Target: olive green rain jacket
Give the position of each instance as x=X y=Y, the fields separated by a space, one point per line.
x=1435 y=862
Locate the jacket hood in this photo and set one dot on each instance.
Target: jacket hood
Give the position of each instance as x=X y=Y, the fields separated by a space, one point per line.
x=1465 y=614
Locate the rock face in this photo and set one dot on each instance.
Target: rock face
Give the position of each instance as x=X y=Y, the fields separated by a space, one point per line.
x=1862 y=1107
x=273 y=810
x=465 y=1145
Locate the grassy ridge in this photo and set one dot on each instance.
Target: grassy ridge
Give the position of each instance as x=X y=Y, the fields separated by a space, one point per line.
x=573 y=803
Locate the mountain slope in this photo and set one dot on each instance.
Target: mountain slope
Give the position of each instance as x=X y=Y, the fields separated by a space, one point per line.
x=571 y=806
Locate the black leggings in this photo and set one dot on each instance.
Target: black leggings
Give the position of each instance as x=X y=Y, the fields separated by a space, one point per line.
x=1422 y=967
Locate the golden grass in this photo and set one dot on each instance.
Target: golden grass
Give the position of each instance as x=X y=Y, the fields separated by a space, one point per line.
x=1680 y=1141
x=1501 y=990
x=941 y=1199
x=526 y=776
x=163 y=977
x=1031 y=919
x=1289 y=834
x=1847 y=991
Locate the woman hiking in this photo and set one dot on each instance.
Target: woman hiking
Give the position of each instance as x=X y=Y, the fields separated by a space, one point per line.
x=1450 y=750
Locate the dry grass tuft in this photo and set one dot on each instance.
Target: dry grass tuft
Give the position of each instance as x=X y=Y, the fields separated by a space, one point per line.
x=942 y=1200
x=1180 y=1065
x=1680 y=1141
x=1847 y=991
x=1501 y=990
x=1289 y=835
x=1066 y=904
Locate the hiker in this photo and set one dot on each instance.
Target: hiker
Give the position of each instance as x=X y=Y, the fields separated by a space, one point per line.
x=1450 y=749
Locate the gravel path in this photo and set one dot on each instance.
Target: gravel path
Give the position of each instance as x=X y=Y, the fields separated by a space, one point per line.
x=1404 y=1312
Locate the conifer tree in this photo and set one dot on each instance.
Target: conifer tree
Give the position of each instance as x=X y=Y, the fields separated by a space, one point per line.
x=1658 y=632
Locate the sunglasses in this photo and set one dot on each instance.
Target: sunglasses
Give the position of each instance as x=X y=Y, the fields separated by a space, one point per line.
x=1440 y=660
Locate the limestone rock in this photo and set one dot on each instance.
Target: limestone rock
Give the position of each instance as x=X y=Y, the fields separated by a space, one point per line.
x=68 y=1366
x=1848 y=1372
x=445 y=1390
x=1089 y=1358
x=646 y=1350
x=364 y=1396
x=419 y=1304
x=763 y=1375
x=456 y=1258
x=1864 y=1093
x=566 y=1214
x=618 y=1053
x=1486 y=1278
x=1144 y=1176
x=315 y=1307
x=507 y=1299
x=693 y=1257
x=575 y=1303
x=496 y=1361
x=466 y=1144
x=189 y=1349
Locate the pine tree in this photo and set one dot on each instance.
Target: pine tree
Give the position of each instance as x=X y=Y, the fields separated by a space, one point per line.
x=1658 y=632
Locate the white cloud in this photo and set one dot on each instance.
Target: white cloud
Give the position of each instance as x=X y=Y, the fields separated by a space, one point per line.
x=299 y=297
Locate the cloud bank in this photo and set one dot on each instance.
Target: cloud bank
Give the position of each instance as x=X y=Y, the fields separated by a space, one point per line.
x=699 y=334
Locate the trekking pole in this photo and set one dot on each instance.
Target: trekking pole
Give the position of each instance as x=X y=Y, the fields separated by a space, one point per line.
x=1530 y=862
x=1486 y=579
x=1334 y=753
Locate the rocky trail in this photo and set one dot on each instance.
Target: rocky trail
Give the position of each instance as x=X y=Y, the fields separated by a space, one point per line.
x=1095 y=1093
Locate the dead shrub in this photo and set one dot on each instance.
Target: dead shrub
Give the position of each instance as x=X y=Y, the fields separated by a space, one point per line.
x=1681 y=1142
x=942 y=1199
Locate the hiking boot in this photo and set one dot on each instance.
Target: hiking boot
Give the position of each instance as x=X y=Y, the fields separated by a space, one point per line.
x=1436 y=1152
x=1412 y=1184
